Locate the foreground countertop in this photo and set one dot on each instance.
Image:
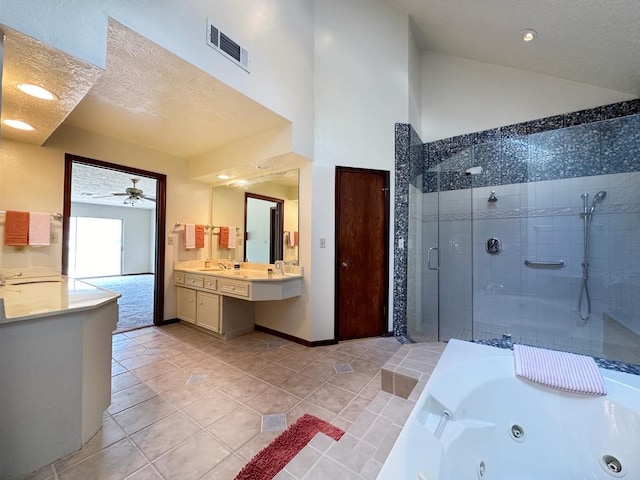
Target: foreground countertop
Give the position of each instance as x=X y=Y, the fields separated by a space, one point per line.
x=27 y=298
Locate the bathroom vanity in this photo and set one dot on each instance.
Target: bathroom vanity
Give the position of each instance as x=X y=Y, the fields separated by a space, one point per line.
x=55 y=369
x=221 y=300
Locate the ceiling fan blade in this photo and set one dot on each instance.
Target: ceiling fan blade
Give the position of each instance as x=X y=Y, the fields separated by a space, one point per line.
x=148 y=198
x=120 y=194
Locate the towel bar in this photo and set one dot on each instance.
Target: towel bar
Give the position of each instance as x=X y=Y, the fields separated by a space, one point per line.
x=550 y=265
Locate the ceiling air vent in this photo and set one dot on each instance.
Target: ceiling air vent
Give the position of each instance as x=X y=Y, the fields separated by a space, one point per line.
x=221 y=42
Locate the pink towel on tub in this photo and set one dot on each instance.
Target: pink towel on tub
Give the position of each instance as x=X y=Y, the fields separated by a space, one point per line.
x=562 y=370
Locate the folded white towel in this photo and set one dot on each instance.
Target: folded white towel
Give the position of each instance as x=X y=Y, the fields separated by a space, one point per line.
x=39 y=229
x=189 y=236
x=562 y=370
x=233 y=234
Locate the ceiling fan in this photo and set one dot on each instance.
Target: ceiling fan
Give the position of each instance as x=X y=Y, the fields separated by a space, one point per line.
x=133 y=194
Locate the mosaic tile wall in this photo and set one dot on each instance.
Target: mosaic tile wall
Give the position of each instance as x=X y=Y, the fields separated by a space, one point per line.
x=600 y=141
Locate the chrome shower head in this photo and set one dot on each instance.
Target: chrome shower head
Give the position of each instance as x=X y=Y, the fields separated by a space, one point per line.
x=598 y=197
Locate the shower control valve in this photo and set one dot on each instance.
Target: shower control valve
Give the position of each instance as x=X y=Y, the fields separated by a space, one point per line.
x=493 y=246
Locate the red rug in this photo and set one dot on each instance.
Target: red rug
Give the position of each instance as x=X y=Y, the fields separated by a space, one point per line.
x=271 y=459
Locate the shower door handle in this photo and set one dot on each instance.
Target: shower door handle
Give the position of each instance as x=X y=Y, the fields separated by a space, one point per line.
x=429 y=258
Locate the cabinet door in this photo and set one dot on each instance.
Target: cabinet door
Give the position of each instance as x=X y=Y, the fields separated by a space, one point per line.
x=186 y=304
x=209 y=311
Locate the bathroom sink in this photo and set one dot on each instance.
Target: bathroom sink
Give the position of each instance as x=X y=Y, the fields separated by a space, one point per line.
x=211 y=269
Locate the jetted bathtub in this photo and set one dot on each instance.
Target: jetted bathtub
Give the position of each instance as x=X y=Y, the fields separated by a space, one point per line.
x=476 y=420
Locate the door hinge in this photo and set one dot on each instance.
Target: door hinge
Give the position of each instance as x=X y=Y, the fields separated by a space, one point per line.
x=385 y=190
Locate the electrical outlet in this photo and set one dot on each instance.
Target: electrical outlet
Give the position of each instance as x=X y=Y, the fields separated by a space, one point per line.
x=323 y=243
x=170 y=240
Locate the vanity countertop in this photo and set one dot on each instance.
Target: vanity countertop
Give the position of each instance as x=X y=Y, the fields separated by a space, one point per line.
x=26 y=298
x=246 y=274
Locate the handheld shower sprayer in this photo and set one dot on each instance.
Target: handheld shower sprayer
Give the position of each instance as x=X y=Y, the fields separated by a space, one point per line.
x=598 y=197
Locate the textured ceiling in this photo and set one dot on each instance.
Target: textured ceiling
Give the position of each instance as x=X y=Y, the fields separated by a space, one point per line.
x=590 y=41
x=150 y=97
x=96 y=185
x=28 y=61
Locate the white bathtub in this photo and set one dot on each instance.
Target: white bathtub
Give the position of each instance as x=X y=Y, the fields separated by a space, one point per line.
x=501 y=427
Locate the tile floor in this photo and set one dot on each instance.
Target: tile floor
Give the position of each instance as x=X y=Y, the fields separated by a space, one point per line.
x=186 y=405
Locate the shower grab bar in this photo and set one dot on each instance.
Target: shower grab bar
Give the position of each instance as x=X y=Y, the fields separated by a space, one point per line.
x=429 y=258
x=558 y=264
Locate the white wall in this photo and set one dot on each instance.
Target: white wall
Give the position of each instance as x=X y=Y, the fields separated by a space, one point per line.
x=463 y=96
x=32 y=178
x=137 y=234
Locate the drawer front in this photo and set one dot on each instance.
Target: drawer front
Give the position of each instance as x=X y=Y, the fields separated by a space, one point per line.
x=240 y=289
x=178 y=278
x=210 y=283
x=191 y=280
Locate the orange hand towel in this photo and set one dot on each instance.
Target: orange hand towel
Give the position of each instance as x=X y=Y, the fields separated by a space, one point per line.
x=295 y=239
x=199 y=236
x=223 y=238
x=16 y=228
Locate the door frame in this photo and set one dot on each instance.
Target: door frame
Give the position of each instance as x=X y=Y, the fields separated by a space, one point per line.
x=384 y=329
x=160 y=223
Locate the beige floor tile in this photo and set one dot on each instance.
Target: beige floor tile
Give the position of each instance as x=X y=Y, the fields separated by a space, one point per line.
x=237 y=428
x=319 y=370
x=231 y=355
x=252 y=363
x=114 y=463
x=372 y=388
x=354 y=382
x=154 y=369
x=144 y=414
x=122 y=381
x=296 y=362
x=192 y=459
x=303 y=462
x=364 y=367
x=109 y=433
x=353 y=348
x=185 y=358
x=187 y=394
x=211 y=408
x=257 y=443
x=129 y=397
x=275 y=354
x=129 y=351
x=224 y=375
x=274 y=374
x=169 y=381
x=334 y=357
x=139 y=361
x=331 y=398
x=328 y=468
x=162 y=436
x=301 y=385
x=147 y=473
x=116 y=368
x=352 y=411
x=295 y=412
x=272 y=401
x=245 y=389
x=225 y=470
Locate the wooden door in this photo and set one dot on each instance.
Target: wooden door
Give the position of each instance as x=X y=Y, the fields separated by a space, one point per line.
x=362 y=252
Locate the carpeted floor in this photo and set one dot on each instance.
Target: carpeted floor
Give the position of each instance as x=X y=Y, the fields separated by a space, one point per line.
x=136 y=303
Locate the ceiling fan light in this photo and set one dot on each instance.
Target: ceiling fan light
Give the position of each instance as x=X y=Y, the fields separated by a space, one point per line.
x=130 y=201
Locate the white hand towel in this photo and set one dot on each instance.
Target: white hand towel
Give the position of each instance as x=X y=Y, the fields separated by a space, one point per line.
x=233 y=234
x=562 y=370
x=39 y=229
x=189 y=236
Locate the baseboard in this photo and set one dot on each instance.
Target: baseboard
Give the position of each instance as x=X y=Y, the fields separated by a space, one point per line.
x=291 y=338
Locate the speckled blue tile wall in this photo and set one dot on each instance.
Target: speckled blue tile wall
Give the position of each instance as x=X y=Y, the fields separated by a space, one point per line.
x=597 y=141
x=408 y=168
x=600 y=141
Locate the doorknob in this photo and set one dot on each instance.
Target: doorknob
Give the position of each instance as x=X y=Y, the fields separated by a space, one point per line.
x=345 y=265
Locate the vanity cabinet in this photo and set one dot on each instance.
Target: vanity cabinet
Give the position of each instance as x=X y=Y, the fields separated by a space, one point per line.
x=198 y=304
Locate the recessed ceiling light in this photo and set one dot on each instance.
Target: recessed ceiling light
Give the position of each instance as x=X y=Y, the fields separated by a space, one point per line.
x=222 y=176
x=241 y=182
x=528 y=35
x=264 y=167
x=36 y=91
x=19 y=124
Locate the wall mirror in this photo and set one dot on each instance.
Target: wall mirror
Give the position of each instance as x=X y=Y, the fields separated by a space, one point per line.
x=263 y=213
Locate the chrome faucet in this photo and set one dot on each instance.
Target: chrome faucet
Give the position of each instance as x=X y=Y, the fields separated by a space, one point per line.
x=4 y=279
x=222 y=265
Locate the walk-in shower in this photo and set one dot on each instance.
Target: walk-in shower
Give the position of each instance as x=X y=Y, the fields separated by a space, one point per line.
x=587 y=215
x=568 y=273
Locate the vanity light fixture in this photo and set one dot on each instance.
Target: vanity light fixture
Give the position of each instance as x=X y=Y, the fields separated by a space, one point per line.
x=529 y=35
x=222 y=176
x=36 y=91
x=19 y=124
